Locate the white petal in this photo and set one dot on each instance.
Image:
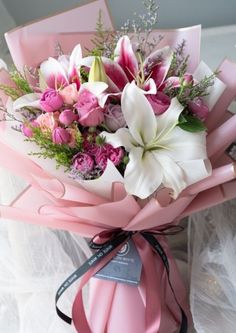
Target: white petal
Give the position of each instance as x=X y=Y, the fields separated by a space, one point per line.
x=103 y=98
x=152 y=88
x=182 y=145
x=30 y=100
x=122 y=137
x=3 y=65
x=76 y=57
x=169 y=119
x=195 y=170
x=53 y=73
x=173 y=175
x=143 y=174
x=138 y=114
x=96 y=88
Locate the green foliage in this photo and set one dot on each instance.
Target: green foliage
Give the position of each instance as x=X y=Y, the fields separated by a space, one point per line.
x=14 y=93
x=191 y=124
x=62 y=154
x=21 y=82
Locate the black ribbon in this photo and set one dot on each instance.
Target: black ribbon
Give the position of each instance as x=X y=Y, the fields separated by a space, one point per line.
x=116 y=238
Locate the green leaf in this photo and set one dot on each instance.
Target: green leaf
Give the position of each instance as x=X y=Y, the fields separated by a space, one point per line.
x=191 y=124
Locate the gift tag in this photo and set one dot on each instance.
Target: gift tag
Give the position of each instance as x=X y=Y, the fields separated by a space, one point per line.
x=125 y=267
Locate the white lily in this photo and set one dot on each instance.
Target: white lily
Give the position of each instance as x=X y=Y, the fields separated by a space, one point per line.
x=160 y=153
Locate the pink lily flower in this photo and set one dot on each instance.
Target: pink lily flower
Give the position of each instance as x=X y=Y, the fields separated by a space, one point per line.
x=125 y=68
x=59 y=73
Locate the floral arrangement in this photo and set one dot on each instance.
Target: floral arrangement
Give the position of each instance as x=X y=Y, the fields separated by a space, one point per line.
x=117 y=143
x=138 y=108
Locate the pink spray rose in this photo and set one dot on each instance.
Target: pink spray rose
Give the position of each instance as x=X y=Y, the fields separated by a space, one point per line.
x=51 y=100
x=70 y=94
x=115 y=155
x=114 y=118
x=60 y=136
x=67 y=117
x=48 y=121
x=199 y=108
x=90 y=113
x=83 y=162
x=159 y=102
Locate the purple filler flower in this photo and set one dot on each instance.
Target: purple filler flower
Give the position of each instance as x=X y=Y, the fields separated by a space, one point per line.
x=50 y=100
x=83 y=162
x=60 y=136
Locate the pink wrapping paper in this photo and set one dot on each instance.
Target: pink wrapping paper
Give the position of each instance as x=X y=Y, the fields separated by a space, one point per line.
x=114 y=308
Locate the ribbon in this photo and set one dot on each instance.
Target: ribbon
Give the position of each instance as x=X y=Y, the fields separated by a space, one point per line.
x=108 y=243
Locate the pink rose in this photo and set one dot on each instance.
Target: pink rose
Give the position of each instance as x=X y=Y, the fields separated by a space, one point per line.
x=114 y=118
x=70 y=94
x=188 y=80
x=83 y=162
x=60 y=136
x=115 y=155
x=67 y=117
x=199 y=108
x=51 y=100
x=48 y=121
x=90 y=113
x=159 y=102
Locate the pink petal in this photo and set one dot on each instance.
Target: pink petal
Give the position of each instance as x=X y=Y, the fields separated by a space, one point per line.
x=54 y=74
x=158 y=64
x=125 y=57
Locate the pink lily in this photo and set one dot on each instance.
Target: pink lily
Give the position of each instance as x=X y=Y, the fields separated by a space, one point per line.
x=125 y=67
x=59 y=73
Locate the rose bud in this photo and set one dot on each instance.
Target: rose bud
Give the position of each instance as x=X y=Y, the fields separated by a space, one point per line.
x=67 y=117
x=188 y=80
x=60 y=136
x=83 y=162
x=51 y=100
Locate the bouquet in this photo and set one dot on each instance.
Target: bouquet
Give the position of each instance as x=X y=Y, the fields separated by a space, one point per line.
x=117 y=141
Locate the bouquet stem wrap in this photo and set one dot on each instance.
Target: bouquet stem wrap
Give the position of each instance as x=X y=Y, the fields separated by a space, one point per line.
x=154 y=307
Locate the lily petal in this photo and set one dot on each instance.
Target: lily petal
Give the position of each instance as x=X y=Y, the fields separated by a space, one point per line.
x=30 y=100
x=143 y=174
x=201 y=168
x=54 y=73
x=138 y=114
x=126 y=58
x=96 y=88
x=150 y=87
x=169 y=119
x=122 y=137
x=173 y=175
x=158 y=63
x=74 y=65
x=183 y=145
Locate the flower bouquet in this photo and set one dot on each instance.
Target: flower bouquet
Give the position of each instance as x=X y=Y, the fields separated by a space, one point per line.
x=117 y=141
